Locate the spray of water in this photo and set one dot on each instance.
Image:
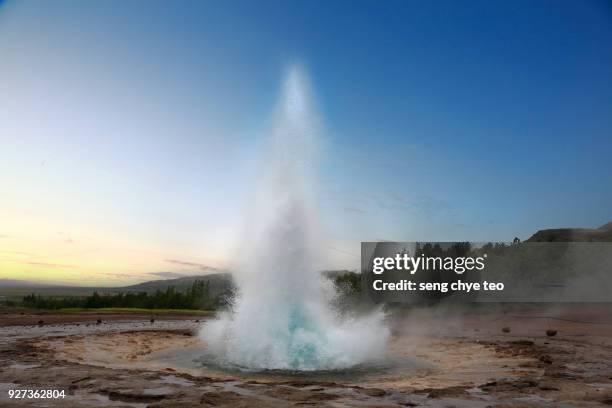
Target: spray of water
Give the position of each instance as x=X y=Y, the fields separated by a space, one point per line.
x=281 y=318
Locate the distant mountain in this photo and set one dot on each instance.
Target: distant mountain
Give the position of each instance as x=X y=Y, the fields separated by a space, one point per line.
x=601 y=234
x=606 y=227
x=217 y=283
x=16 y=283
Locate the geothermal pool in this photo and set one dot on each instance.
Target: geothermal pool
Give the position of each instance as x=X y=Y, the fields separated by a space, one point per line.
x=428 y=359
x=433 y=359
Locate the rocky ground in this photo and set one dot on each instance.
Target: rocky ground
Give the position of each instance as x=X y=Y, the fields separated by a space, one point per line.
x=437 y=359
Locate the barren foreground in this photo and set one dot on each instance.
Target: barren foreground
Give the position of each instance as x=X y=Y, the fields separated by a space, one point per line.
x=435 y=359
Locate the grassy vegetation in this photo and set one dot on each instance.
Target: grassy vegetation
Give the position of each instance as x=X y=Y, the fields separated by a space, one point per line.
x=195 y=298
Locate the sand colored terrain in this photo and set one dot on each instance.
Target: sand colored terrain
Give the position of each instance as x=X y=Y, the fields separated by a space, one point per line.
x=436 y=358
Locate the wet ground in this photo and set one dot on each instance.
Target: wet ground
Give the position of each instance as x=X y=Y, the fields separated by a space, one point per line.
x=436 y=358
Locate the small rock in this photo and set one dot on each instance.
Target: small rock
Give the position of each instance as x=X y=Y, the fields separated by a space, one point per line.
x=545 y=358
x=506 y=329
x=490 y=384
x=41 y=322
x=527 y=383
x=99 y=321
x=152 y=320
x=551 y=333
x=452 y=391
x=548 y=387
x=522 y=342
x=374 y=392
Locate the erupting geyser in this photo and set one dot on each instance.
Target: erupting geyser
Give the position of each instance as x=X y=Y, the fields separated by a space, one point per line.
x=281 y=318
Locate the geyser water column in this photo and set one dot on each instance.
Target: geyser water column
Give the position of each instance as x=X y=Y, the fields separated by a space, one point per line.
x=281 y=317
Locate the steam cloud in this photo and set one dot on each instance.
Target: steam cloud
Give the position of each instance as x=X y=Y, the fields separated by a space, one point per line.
x=281 y=318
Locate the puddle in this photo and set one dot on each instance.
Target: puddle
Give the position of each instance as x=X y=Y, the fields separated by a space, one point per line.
x=101 y=400
x=389 y=367
x=173 y=379
x=18 y=366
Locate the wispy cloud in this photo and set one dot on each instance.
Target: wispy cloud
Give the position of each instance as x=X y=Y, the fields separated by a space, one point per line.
x=123 y=275
x=423 y=205
x=65 y=237
x=354 y=210
x=168 y=275
x=18 y=253
x=188 y=264
x=50 y=265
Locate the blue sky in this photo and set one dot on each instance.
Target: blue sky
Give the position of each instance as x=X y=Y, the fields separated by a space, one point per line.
x=130 y=129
